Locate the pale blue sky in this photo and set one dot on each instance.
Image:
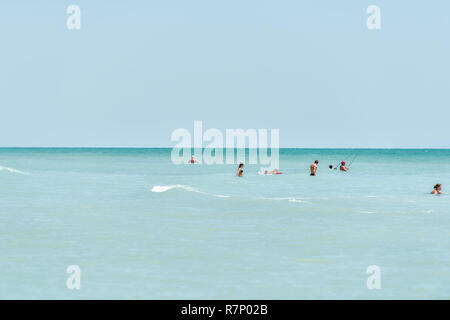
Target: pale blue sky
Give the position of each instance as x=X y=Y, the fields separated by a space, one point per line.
x=137 y=70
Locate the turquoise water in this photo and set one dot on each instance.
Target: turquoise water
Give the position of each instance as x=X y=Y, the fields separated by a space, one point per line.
x=211 y=235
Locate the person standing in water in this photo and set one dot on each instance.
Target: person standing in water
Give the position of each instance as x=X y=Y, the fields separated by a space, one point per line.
x=343 y=167
x=313 y=168
x=437 y=189
x=240 y=170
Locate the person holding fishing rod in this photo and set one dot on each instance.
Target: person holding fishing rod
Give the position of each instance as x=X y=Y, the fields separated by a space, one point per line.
x=343 y=167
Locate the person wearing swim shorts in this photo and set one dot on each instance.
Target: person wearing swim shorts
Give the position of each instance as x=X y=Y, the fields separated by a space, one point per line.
x=313 y=168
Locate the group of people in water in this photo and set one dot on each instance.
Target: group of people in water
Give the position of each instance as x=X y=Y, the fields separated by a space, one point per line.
x=313 y=172
x=313 y=167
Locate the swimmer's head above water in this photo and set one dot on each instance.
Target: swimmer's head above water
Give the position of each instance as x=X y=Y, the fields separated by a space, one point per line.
x=193 y=160
x=437 y=189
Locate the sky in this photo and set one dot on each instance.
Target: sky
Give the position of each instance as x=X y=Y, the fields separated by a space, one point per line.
x=138 y=70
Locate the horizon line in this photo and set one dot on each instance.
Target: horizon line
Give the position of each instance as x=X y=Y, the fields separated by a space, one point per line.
x=171 y=147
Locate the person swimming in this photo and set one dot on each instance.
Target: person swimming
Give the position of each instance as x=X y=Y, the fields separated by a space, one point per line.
x=313 y=168
x=437 y=189
x=330 y=166
x=240 y=170
x=274 y=171
x=343 y=167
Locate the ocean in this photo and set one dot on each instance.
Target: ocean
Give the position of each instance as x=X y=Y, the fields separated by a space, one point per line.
x=140 y=227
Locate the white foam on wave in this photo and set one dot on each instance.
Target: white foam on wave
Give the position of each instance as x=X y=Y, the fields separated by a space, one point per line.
x=164 y=188
x=186 y=188
x=289 y=199
x=12 y=170
x=296 y=200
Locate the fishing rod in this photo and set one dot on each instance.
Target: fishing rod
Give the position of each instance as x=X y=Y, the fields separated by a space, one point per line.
x=345 y=159
x=351 y=161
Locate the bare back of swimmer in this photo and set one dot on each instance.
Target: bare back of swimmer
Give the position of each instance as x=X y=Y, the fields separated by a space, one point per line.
x=313 y=168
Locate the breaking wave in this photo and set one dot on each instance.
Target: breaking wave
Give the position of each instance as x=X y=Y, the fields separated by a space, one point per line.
x=12 y=170
x=186 y=188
